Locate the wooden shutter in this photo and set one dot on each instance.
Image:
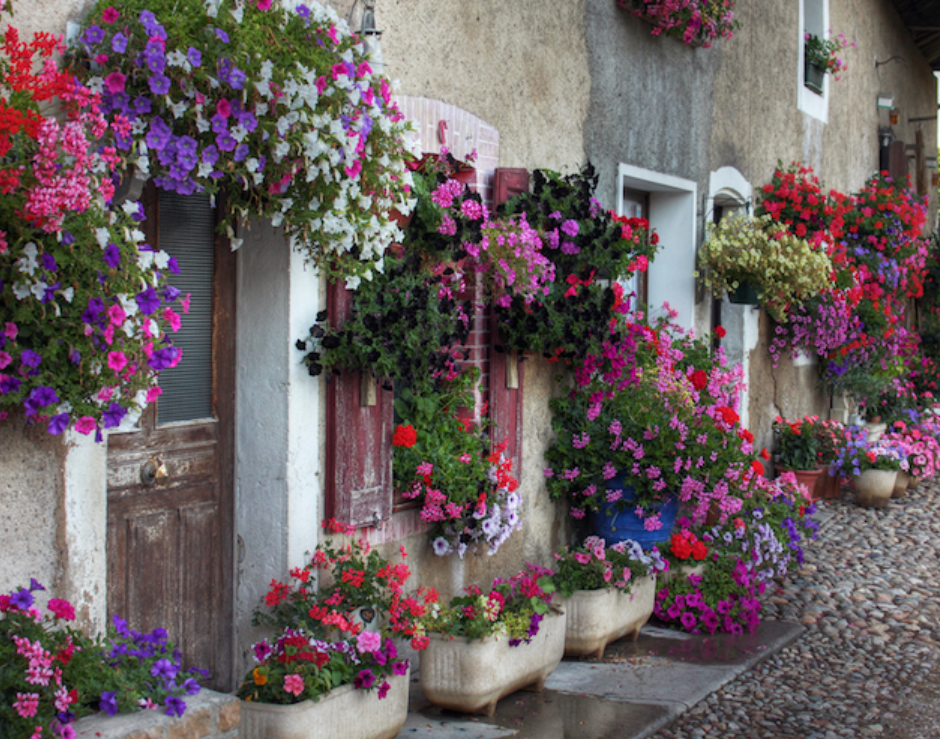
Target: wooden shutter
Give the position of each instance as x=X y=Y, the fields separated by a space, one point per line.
x=359 y=438
x=506 y=368
x=897 y=162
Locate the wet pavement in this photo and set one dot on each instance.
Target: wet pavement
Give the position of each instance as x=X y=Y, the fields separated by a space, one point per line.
x=636 y=689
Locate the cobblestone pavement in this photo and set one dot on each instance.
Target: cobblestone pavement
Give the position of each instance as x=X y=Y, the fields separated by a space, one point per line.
x=869 y=662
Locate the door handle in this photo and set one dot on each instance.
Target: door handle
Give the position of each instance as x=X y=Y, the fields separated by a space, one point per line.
x=153 y=471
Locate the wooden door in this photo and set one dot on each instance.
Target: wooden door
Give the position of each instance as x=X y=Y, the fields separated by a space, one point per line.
x=170 y=561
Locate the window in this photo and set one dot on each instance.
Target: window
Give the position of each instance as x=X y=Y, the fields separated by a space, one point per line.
x=671 y=203
x=813 y=90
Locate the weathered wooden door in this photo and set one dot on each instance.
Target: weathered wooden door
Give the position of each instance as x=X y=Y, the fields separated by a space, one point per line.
x=170 y=539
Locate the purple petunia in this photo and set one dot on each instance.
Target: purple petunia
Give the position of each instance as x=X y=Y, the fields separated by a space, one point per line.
x=113 y=416
x=9 y=384
x=58 y=424
x=21 y=599
x=174 y=706
x=164 y=668
x=159 y=84
x=221 y=35
x=162 y=358
x=194 y=56
x=148 y=301
x=39 y=398
x=94 y=35
x=159 y=134
x=30 y=358
x=112 y=255
x=119 y=43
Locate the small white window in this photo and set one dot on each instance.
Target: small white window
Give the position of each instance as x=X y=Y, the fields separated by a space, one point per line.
x=813 y=88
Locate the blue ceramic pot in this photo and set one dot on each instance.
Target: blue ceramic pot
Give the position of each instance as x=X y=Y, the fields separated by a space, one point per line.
x=613 y=525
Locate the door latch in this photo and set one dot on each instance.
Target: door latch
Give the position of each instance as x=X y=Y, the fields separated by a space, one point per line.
x=153 y=471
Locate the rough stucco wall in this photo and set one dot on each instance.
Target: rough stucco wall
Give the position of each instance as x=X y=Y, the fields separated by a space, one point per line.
x=519 y=66
x=31 y=489
x=757 y=121
x=650 y=99
x=51 y=16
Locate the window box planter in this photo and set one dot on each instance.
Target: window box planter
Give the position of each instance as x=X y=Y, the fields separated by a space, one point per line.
x=598 y=617
x=360 y=713
x=813 y=76
x=472 y=676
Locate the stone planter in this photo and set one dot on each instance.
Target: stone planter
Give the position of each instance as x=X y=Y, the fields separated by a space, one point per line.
x=343 y=712
x=598 y=617
x=873 y=488
x=874 y=430
x=901 y=483
x=471 y=676
x=682 y=571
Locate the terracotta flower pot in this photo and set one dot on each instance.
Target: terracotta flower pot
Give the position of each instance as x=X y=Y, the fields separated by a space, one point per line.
x=873 y=488
x=598 y=617
x=828 y=487
x=809 y=478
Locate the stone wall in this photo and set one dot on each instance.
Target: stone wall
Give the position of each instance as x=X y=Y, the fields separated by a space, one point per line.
x=208 y=715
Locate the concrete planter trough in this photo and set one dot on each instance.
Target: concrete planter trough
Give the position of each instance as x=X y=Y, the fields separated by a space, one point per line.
x=598 y=617
x=343 y=713
x=471 y=676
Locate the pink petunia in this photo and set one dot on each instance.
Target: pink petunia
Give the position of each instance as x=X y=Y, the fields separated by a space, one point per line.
x=85 y=425
x=294 y=684
x=110 y=15
x=117 y=361
x=115 y=82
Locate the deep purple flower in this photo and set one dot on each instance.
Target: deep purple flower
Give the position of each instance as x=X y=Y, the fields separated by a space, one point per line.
x=48 y=262
x=109 y=703
x=210 y=155
x=112 y=255
x=148 y=300
x=303 y=11
x=194 y=56
x=156 y=59
x=173 y=266
x=159 y=84
x=58 y=424
x=170 y=294
x=35 y=585
x=39 y=398
x=113 y=416
x=162 y=358
x=225 y=141
x=174 y=706
x=241 y=152
x=149 y=21
x=95 y=305
x=30 y=358
x=142 y=105
x=164 y=668
x=221 y=35
x=21 y=599
x=191 y=686
x=9 y=384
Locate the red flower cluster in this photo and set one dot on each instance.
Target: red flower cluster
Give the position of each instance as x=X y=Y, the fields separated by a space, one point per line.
x=296 y=649
x=685 y=544
x=405 y=436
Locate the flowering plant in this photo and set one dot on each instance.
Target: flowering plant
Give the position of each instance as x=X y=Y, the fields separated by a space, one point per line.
x=692 y=21
x=784 y=268
x=654 y=419
x=799 y=443
x=278 y=106
x=589 y=249
x=328 y=593
x=685 y=547
x=595 y=566
x=87 y=309
x=859 y=455
x=824 y=52
x=512 y=608
x=299 y=667
x=831 y=436
x=922 y=448
x=52 y=674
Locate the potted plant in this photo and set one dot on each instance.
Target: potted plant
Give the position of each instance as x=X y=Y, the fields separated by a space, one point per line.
x=486 y=645
x=334 y=660
x=606 y=592
x=873 y=467
x=694 y=23
x=686 y=552
x=831 y=437
x=798 y=448
x=649 y=427
x=755 y=260
x=923 y=455
x=821 y=57
x=306 y=687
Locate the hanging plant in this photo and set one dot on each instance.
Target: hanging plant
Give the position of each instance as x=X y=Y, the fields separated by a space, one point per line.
x=588 y=248
x=278 y=106
x=694 y=22
x=85 y=303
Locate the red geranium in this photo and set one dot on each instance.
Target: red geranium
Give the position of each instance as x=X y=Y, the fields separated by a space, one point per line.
x=405 y=436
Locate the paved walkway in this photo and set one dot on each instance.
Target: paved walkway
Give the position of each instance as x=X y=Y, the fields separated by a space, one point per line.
x=849 y=648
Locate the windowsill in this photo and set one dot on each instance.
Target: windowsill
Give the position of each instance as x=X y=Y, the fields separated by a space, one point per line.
x=812 y=103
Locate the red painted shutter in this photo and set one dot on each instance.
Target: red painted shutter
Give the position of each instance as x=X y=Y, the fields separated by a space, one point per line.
x=506 y=369
x=358 y=440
